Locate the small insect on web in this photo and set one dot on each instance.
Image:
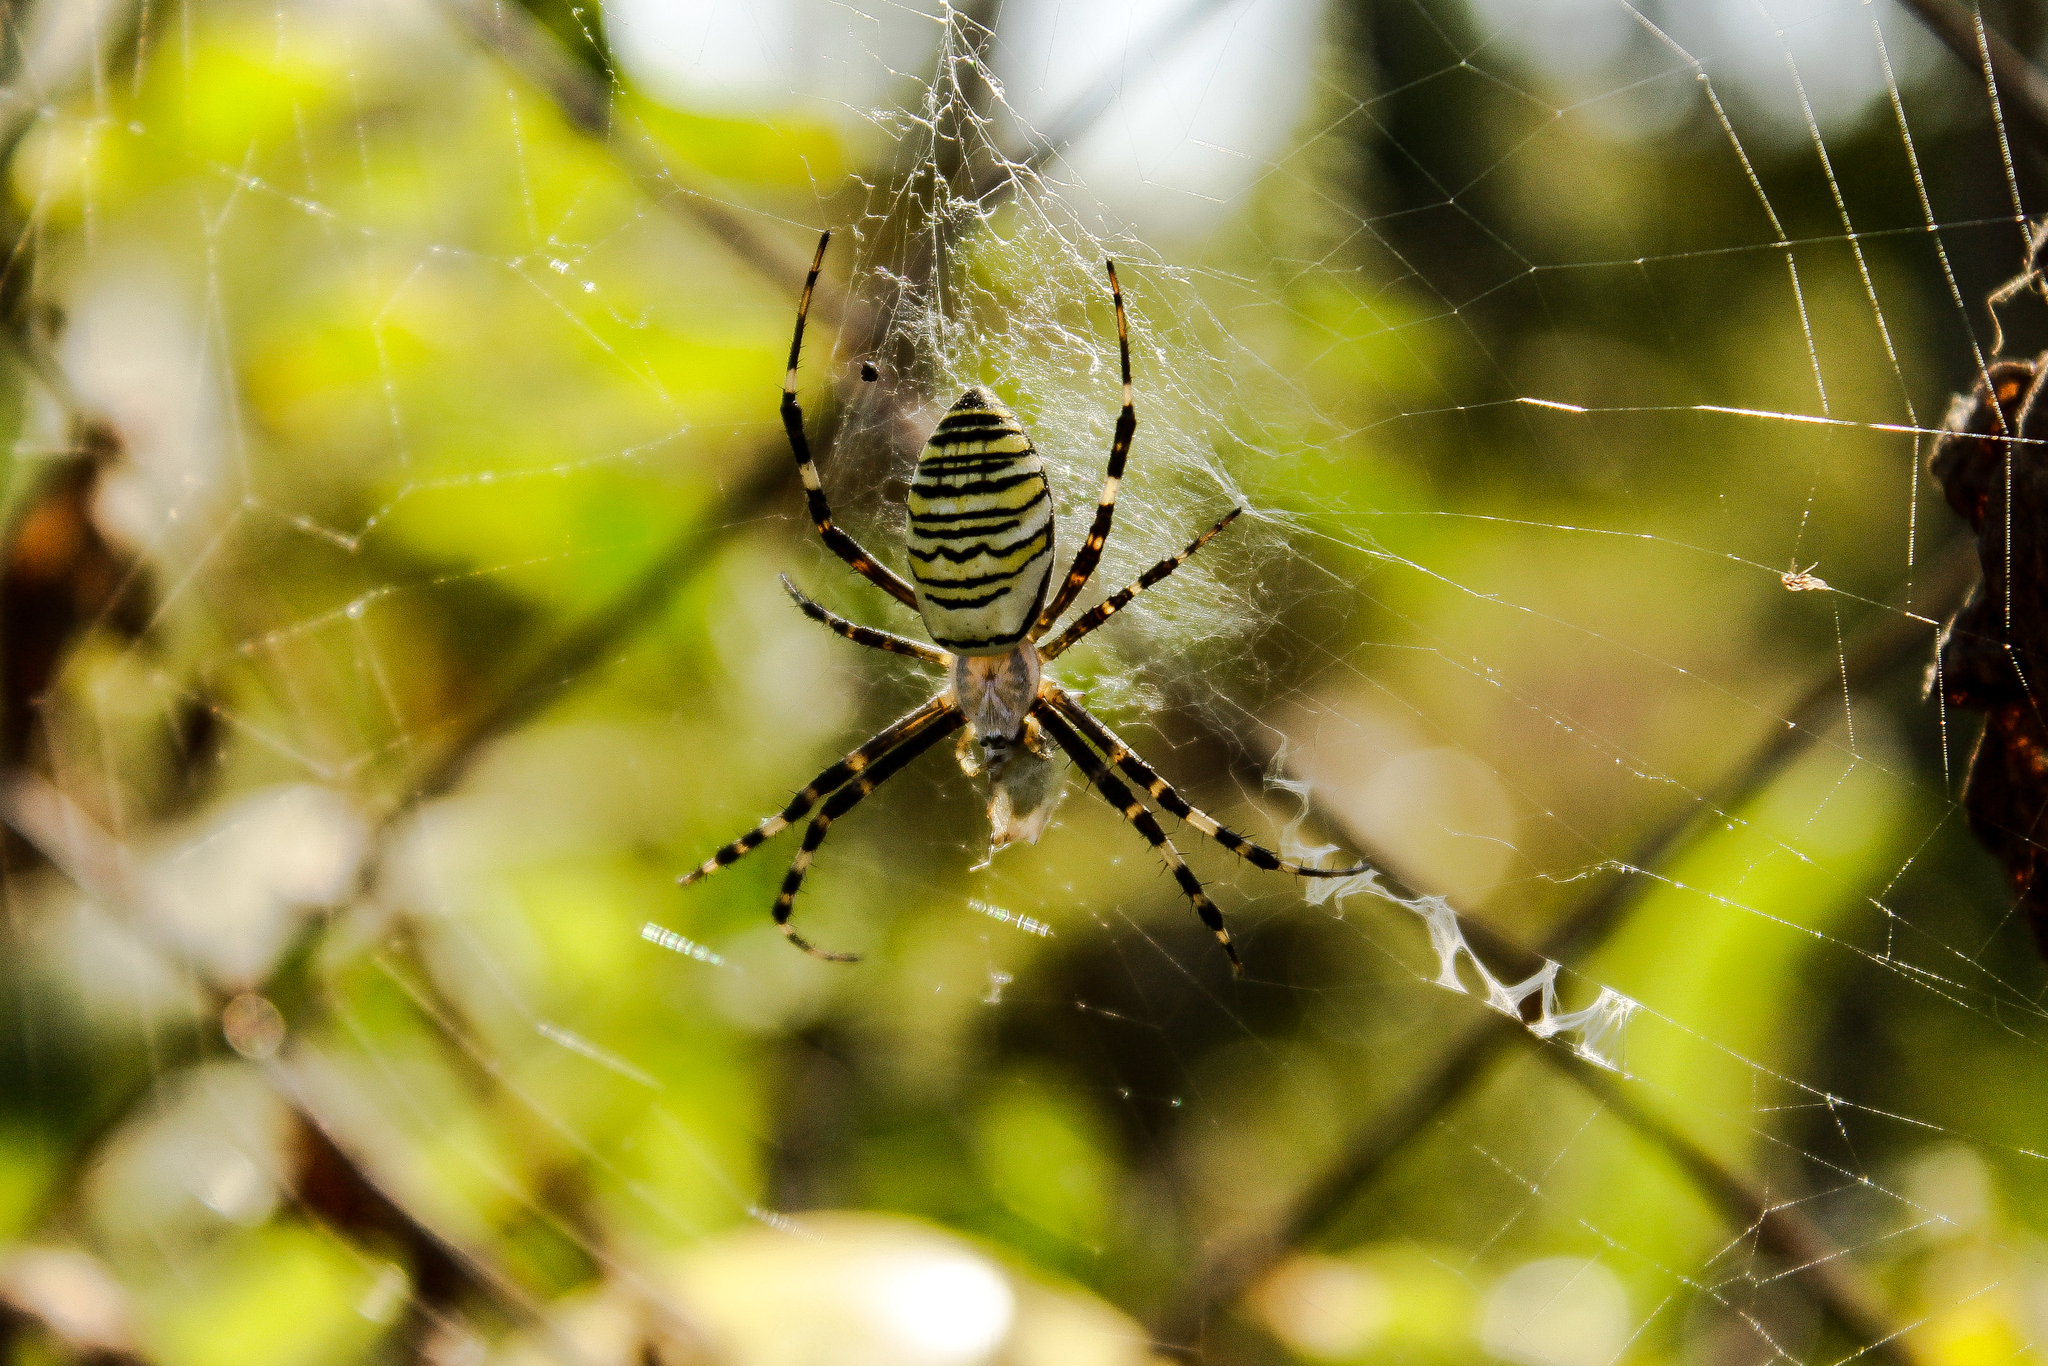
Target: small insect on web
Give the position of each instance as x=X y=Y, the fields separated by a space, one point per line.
x=1797 y=580
x=980 y=545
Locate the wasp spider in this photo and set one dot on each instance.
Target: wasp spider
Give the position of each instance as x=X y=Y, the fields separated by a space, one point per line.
x=980 y=547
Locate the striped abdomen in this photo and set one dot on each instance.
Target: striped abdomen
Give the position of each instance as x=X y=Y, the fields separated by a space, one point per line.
x=980 y=537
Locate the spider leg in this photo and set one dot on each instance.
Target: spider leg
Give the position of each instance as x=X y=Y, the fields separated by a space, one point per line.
x=1090 y=553
x=1110 y=606
x=907 y=728
x=866 y=635
x=1119 y=796
x=835 y=537
x=1161 y=791
x=843 y=801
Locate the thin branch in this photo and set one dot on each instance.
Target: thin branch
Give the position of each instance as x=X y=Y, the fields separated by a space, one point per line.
x=2019 y=81
x=584 y=98
x=1241 y=1262
x=27 y=324
x=98 y=865
x=562 y=665
x=1818 y=1264
x=355 y=1198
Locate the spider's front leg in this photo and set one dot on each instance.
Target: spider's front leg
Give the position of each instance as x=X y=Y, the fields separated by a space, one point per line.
x=835 y=536
x=831 y=780
x=843 y=801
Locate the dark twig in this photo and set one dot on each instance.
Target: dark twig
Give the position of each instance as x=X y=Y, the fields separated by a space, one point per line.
x=585 y=100
x=1242 y=1261
x=341 y=1187
x=1818 y=1264
x=2021 y=84
x=94 y=861
x=1868 y=658
x=535 y=686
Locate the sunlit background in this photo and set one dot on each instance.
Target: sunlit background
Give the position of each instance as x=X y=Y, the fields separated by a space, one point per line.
x=391 y=614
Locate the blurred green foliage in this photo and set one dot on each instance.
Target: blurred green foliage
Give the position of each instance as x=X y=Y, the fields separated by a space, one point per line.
x=413 y=381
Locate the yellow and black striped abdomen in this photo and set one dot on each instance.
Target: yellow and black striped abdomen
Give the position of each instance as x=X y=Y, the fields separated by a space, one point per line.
x=980 y=537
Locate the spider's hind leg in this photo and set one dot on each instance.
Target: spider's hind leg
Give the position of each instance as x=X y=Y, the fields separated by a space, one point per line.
x=843 y=801
x=1161 y=791
x=906 y=729
x=1119 y=796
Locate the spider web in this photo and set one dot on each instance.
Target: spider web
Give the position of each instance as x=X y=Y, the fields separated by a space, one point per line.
x=399 y=498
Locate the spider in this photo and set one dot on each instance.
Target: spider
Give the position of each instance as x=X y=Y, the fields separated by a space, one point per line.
x=980 y=547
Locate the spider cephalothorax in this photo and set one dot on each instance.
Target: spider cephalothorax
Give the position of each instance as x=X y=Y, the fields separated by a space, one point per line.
x=980 y=545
